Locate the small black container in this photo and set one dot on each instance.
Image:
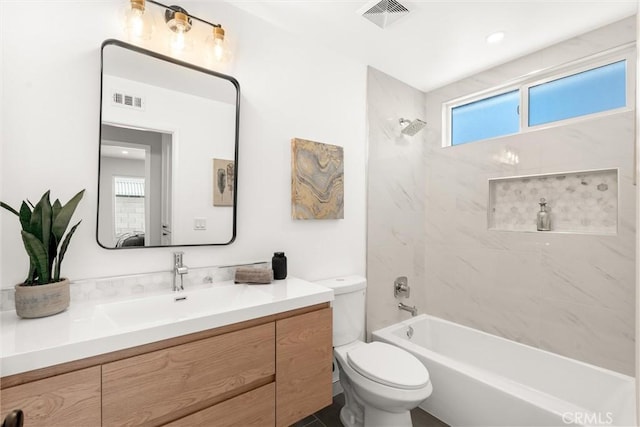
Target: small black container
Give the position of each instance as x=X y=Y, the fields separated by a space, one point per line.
x=279 y=266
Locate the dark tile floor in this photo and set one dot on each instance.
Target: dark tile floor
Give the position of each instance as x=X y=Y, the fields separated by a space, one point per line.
x=330 y=417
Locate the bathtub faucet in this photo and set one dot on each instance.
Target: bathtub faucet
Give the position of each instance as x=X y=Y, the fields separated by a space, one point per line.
x=413 y=310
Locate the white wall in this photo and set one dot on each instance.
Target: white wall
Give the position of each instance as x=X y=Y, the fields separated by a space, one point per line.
x=50 y=112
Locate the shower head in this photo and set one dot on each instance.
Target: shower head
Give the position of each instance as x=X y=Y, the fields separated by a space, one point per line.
x=412 y=127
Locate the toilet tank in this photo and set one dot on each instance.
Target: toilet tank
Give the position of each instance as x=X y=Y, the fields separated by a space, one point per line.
x=348 y=308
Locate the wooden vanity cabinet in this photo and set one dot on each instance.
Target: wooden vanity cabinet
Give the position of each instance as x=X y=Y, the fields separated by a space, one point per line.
x=71 y=399
x=275 y=370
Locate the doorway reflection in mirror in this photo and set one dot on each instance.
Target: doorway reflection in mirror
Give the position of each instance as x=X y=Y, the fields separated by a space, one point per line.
x=136 y=200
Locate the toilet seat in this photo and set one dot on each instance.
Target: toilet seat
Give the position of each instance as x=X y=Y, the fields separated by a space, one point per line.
x=388 y=365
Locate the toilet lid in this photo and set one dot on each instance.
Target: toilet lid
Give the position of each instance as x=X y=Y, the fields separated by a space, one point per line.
x=388 y=365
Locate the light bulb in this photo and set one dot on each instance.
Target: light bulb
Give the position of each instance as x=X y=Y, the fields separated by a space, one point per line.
x=137 y=24
x=218 y=49
x=177 y=40
x=215 y=48
x=179 y=23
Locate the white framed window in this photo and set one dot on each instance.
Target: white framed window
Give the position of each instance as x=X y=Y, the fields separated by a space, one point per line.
x=594 y=86
x=128 y=204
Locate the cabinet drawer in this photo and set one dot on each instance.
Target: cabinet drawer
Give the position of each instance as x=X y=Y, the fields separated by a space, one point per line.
x=165 y=385
x=71 y=399
x=304 y=356
x=254 y=408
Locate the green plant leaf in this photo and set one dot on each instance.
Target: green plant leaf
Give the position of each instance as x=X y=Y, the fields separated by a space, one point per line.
x=61 y=220
x=25 y=217
x=37 y=255
x=9 y=208
x=40 y=227
x=32 y=273
x=55 y=210
x=39 y=217
x=63 y=250
x=55 y=241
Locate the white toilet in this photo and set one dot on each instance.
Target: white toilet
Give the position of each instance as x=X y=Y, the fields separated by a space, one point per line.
x=382 y=383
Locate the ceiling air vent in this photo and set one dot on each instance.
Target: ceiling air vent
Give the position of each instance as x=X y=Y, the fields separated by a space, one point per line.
x=384 y=12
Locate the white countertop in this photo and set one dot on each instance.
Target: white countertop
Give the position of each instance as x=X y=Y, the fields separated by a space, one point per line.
x=89 y=329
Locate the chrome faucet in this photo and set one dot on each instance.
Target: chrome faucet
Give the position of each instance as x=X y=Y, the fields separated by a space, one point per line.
x=179 y=269
x=413 y=310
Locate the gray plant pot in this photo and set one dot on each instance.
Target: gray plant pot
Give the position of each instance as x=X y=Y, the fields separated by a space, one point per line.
x=42 y=300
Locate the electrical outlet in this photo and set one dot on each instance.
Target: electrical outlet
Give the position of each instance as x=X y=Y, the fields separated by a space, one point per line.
x=199 y=223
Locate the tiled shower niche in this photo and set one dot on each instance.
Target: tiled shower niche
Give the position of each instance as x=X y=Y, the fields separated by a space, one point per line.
x=578 y=202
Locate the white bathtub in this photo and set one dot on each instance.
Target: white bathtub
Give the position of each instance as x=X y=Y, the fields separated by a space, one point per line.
x=483 y=380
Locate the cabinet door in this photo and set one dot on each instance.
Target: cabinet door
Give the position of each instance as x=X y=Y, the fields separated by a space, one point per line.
x=165 y=385
x=254 y=408
x=71 y=399
x=303 y=365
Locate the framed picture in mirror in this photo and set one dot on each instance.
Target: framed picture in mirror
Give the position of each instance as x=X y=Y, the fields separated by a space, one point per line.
x=223 y=182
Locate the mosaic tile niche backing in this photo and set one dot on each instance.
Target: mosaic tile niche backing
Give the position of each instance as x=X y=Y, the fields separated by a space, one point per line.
x=582 y=202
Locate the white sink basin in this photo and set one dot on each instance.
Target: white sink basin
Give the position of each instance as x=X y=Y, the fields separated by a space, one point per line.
x=182 y=305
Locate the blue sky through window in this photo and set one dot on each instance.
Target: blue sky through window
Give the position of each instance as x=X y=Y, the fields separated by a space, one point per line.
x=593 y=91
x=486 y=118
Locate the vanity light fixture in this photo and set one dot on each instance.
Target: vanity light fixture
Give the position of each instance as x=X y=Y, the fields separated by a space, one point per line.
x=139 y=25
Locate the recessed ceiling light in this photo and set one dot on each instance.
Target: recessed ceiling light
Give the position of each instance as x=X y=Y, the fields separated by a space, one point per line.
x=495 y=37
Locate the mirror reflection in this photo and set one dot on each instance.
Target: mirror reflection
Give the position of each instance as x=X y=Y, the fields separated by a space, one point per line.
x=168 y=150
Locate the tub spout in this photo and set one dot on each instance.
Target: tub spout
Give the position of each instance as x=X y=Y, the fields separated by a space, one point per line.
x=413 y=310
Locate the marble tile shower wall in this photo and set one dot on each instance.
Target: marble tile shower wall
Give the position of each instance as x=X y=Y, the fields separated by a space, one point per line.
x=396 y=197
x=573 y=294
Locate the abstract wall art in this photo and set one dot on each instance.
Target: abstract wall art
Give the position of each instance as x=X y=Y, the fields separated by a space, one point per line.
x=317 y=180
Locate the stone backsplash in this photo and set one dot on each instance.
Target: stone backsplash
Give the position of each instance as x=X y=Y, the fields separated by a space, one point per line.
x=137 y=285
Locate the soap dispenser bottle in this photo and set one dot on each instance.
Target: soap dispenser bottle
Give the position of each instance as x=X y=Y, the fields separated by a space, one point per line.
x=279 y=266
x=543 y=221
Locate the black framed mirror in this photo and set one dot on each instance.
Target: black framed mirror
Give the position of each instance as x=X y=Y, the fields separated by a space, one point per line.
x=168 y=151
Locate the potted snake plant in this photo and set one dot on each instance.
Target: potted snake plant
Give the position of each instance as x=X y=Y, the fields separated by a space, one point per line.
x=44 y=292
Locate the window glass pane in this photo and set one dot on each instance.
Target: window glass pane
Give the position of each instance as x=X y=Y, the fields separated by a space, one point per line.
x=486 y=118
x=592 y=91
x=128 y=206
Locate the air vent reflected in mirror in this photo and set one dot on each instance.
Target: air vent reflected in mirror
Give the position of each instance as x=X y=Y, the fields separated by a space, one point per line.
x=129 y=101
